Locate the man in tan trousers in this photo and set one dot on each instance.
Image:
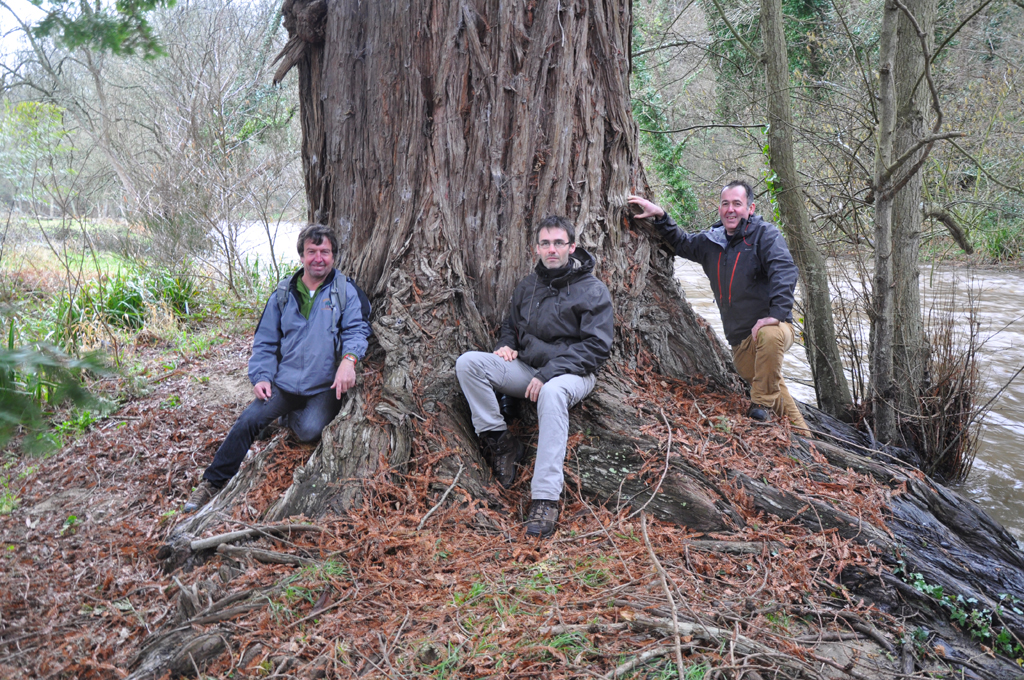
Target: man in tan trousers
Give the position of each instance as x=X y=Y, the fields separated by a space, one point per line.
x=753 y=277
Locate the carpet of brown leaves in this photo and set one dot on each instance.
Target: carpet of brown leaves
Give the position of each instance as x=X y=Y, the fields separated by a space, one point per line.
x=466 y=596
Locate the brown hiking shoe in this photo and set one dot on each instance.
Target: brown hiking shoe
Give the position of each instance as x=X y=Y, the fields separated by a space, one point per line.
x=542 y=518
x=200 y=497
x=505 y=456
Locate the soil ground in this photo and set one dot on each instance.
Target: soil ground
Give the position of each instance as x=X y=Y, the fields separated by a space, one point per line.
x=375 y=594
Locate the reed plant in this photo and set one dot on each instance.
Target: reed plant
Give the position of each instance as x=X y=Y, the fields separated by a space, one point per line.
x=950 y=418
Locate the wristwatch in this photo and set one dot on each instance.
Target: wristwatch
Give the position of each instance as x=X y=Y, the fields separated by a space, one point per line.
x=353 y=357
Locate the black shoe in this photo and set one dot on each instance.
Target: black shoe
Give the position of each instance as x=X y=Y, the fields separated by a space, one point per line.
x=542 y=518
x=758 y=412
x=506 y=453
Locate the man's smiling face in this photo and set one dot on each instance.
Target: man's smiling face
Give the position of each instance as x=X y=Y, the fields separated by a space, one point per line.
x=734 y=208
x=317 y=259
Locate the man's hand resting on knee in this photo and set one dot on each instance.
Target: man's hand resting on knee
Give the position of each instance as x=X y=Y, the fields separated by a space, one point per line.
x=761 y=323
x=262 y=390
x=533 y=389
x=507 y=353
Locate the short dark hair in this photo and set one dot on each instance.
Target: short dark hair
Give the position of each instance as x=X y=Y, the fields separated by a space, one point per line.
x=316 y=233
x=740 y=183
x=557 y=222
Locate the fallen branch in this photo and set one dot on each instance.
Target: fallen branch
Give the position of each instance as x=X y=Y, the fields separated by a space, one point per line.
x=829 y=636
x=584 y=628
x=235 y=536
x=265 y=556
x=639 y=660
x=663 y=579
x=735 y=547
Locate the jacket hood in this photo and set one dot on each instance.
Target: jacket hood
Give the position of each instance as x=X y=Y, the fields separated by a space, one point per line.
x=747 y=226
x=580 y=263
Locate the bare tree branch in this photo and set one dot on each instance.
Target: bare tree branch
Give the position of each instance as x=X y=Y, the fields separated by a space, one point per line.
x=983 y=5
x=703 y=127
x=746 y=46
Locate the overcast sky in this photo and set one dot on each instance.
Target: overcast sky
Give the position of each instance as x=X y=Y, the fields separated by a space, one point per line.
x=10 y=35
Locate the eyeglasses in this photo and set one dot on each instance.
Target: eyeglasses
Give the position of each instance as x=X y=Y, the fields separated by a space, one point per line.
x=557 y=244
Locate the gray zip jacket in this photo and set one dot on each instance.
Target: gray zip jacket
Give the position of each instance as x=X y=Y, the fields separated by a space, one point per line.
x=300 y=355
x=561 y=321
x=752 y=274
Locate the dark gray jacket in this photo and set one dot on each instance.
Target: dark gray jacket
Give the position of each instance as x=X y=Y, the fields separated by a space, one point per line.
x=561 y=321
x=752 y=274
x=300 y=355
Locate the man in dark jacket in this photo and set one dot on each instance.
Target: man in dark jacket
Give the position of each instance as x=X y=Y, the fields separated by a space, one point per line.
x=557 y=334
x=304 y=357
x=753 y=277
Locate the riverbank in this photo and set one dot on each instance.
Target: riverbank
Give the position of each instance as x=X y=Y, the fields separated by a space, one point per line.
x=996 y=482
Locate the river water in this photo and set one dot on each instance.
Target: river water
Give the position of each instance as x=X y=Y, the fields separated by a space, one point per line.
x=995 y=481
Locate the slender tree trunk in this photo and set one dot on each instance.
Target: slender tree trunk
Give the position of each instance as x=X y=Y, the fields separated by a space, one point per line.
x=910 y=346
x=881 y=381
x=819 y=327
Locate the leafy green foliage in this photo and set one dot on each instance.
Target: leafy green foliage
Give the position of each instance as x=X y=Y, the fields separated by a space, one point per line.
x=123 y=299
x=32 y=136
x=32 y=379
x=664 y=153
x=121 y=28
x=980 y=622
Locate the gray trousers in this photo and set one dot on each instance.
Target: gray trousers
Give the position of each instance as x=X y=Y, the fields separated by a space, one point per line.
x=480 y=373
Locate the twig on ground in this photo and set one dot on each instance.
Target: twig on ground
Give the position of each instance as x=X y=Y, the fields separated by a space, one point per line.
x=443 y=497
x=668 y=452
x=663 y=578
x=234 y=536
x=638 y=660
x=265 y=556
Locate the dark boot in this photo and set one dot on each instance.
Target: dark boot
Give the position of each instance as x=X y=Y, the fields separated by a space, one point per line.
x=758 y=413
x=542 y=518
x=505 y=454
x=200 y=497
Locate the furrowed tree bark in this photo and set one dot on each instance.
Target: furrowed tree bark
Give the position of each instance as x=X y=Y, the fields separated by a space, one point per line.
x=910 y=346
x=435 y=135
x=830 y=384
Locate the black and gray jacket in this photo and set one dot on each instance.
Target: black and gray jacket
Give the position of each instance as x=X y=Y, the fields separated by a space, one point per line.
x=561 y=321
x=752 y=273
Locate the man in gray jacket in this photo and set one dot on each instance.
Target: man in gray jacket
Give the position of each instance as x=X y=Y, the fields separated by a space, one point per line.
x=313 y=332
x=557 y=334
x=753 y=277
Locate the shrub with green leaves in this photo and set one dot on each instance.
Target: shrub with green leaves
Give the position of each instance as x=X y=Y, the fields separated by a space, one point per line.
x=121 y=300
x=34 y=379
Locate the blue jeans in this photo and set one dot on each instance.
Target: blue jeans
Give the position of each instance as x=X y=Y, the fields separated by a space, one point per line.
x=307 y=417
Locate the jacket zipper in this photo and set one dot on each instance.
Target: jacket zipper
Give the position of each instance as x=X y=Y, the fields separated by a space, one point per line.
x=733 y=276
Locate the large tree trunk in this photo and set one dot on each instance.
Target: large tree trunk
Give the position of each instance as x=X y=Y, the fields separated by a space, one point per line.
x=830 y=383
x=434 y=135
x=910 y=347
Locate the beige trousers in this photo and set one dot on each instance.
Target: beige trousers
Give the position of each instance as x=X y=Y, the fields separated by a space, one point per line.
x=760 y=364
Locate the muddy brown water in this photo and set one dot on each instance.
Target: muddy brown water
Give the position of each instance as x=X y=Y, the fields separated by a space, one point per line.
x=995 y=481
